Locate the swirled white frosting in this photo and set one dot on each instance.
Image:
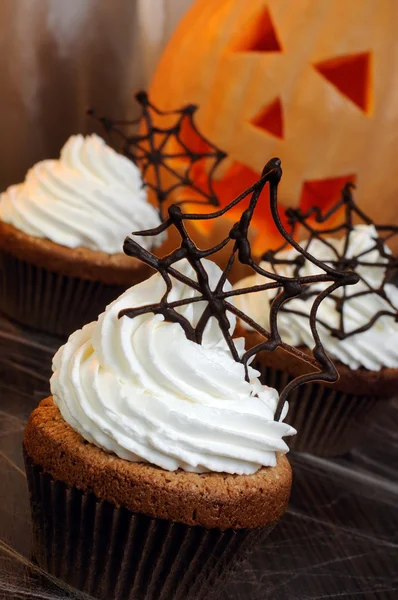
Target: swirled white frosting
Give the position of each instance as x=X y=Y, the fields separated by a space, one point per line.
x=91 y=197
x=139 y=388
x=374 y=348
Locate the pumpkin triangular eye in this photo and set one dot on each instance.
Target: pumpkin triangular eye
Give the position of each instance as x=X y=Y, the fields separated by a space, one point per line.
x=351 y=75
x=258 y=35
x=270 y=119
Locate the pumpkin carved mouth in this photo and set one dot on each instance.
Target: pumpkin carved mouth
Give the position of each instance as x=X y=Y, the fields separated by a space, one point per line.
x=323 y=192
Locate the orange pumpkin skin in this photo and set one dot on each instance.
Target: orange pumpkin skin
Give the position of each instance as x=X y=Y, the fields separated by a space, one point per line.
x=309 y=81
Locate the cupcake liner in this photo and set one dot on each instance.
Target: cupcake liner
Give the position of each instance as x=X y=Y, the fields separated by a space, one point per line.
x=329 y=422
x=51 y=302
x=110 y=552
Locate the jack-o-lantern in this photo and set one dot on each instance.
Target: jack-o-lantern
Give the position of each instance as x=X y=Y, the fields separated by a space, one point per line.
x=310 y=81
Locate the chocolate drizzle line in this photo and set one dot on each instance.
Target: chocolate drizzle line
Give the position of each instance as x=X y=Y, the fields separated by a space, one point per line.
x=219 y=300
x=151 y=148
x=352 y=214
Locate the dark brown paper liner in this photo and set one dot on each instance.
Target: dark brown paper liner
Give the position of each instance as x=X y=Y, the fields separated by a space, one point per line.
x=329 y=422
x=58 y=304
x=112 y=553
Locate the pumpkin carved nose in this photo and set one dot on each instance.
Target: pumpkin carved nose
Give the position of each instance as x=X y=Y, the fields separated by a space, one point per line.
x=270 y=119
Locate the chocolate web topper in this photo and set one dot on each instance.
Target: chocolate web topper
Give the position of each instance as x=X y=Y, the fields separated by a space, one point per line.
x=342 y=262
x=159 y=147
x=219 y=301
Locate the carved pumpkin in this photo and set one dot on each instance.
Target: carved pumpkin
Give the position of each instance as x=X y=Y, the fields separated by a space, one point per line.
x=307 y=80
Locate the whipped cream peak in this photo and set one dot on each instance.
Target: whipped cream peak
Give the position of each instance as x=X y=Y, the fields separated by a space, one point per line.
x=373 y=348
x=91 y=196
x=140 y=388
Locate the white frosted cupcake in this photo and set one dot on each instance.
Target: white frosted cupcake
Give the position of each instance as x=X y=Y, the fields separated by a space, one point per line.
x=331 y=418
x=155 y=465
x=61 y=236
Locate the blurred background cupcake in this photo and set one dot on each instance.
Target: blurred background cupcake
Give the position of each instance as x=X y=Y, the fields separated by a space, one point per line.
x=358 y=326
x=61 y=236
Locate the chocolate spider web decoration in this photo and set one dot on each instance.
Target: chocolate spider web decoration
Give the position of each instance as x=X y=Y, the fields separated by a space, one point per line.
x=297 y=218
x=218 y=300
x=151 y=148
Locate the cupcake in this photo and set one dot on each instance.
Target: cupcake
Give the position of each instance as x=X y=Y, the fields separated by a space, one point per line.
x=157 y=462
x=358 y=326
x=61 y=233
